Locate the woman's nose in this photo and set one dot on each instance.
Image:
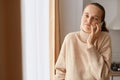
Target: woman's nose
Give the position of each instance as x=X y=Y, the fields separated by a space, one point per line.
x=89 y=20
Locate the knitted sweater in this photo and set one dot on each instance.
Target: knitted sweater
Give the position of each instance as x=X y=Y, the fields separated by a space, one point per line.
x=78 y=62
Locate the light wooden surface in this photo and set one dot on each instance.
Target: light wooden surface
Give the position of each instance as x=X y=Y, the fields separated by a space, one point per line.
x=115 y=74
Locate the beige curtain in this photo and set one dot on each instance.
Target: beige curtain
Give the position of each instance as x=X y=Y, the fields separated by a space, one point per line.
x=54 y=35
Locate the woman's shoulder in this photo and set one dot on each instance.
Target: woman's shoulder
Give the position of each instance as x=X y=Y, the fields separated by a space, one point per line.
x=105 y=34
x=72 y=35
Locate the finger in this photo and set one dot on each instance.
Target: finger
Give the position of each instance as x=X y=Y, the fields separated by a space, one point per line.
x=92 y=30
x=98 y=29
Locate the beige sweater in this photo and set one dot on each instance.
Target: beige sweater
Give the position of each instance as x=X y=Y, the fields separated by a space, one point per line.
x=77 y=62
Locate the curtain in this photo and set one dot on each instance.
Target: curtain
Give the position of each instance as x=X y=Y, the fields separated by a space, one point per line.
x=35 y=40
x=54 y=35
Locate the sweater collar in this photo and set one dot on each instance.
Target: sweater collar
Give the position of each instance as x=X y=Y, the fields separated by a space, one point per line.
x=83 y=35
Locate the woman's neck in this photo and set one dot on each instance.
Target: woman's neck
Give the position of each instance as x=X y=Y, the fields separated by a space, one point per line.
x=83 y=35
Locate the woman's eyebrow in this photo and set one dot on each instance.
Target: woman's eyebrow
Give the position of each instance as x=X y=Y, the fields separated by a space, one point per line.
x=96 y=16
x=93 y=15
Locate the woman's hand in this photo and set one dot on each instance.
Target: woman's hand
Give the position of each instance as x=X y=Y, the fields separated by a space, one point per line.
x=95 y=32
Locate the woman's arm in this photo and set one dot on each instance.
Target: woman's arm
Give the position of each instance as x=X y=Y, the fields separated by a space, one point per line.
x=100 y=62
x=60 y=67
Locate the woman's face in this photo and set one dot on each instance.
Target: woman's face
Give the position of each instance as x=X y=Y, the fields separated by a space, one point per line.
x=91 y=16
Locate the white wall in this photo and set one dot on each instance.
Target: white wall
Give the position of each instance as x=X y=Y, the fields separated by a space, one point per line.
x=70 y=15
x=115 y=36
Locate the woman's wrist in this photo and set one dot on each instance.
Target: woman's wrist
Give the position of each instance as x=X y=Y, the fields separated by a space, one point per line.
x=89 y=45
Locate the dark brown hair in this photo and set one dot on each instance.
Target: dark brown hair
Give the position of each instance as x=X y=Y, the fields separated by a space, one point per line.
x=103 y=16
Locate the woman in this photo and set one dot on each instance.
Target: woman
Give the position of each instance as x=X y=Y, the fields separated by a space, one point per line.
x=86 y=55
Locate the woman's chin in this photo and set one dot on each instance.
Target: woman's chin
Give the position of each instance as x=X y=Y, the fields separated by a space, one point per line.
x=86 y=30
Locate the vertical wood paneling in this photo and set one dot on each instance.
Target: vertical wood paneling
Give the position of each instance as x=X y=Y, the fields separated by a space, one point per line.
x=12 y=34
x=54 y=35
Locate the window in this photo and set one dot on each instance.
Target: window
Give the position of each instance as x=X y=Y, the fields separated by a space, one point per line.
x=35 y=39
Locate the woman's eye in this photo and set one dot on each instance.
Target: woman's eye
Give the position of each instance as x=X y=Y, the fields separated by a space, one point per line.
x=96 y=19
x=86 y=16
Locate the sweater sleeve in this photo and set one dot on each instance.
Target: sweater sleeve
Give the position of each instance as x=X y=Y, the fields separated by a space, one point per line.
x=60 y=66
x=100 y=61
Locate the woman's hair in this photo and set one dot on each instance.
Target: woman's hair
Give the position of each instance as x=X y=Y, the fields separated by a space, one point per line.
x=103 y=16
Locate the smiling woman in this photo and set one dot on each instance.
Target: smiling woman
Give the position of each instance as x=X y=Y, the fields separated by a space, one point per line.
x=86 y=51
